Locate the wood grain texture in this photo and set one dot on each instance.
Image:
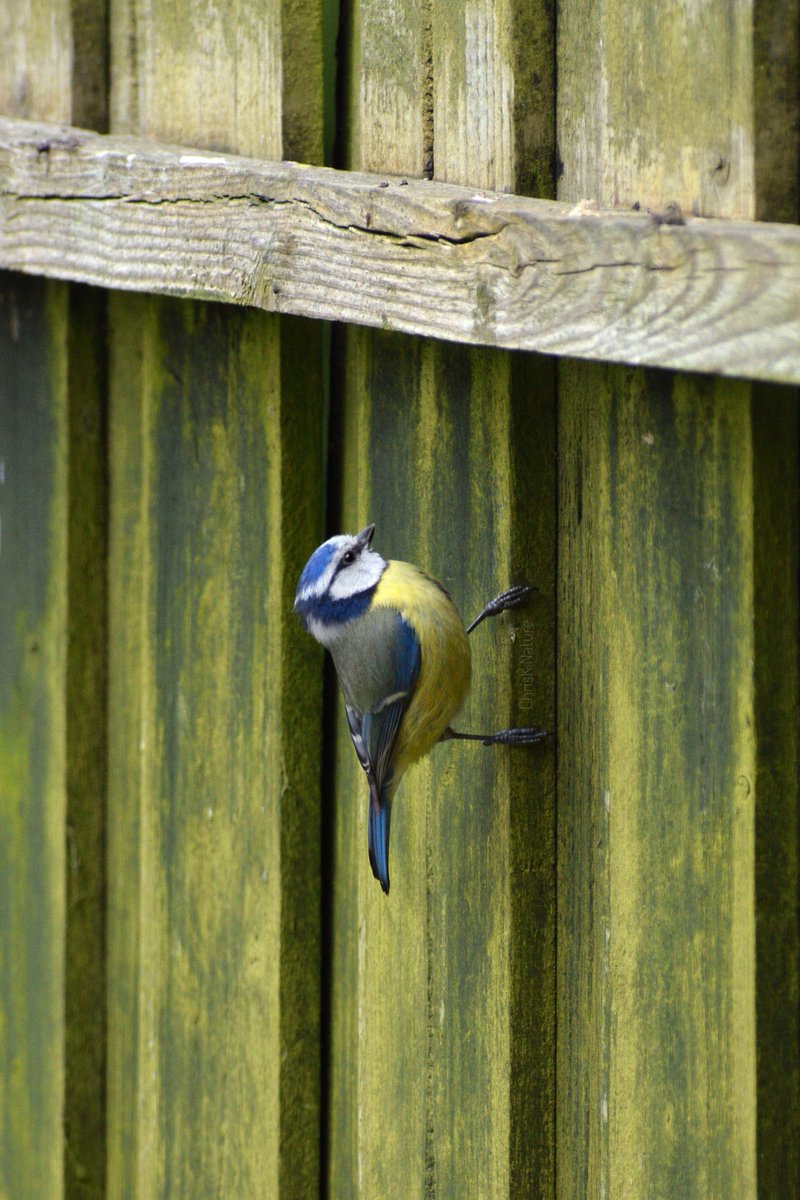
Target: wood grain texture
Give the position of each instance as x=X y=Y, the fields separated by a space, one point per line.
x=656 y=1039
x=494 y=94
x=215 y=697
x=463 y=1048
x=223 y=82
x=660 y=484
x=53 y=69
x=36 y=77
x=389 y=89
x=213 y=1005
x=711 y=295
x=656 y=105
x=379 y=1102
x=442 y=1063
x=493 y=77
x=33 y=756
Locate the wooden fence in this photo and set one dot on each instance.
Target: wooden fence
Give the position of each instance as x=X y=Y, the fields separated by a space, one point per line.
x=585 y=984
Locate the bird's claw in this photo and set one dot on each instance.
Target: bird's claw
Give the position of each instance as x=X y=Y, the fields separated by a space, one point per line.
x=528 y=736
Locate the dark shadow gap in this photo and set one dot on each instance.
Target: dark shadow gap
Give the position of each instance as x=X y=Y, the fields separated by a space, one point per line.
x=85 y=992
x=330 y=704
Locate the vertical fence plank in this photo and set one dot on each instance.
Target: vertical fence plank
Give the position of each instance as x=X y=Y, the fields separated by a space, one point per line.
x=658 y=701
x=494 y=94
x=451 y=452
x=656 y=1040
x=216 y=496
x=493 y=86
x=52 y=542
x=378 y=1050
x=33 y=617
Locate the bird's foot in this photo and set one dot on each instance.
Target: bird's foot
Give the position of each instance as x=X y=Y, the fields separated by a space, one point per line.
x=511 y=598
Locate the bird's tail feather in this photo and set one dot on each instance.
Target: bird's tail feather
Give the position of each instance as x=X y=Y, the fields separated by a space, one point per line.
x=380 y=814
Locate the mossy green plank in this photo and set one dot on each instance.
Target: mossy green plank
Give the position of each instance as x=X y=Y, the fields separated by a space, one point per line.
x=214 y=875
x=379 y=986
x=776 y=490
x=776 y=105
x=493 y=87
x=378 y=1050
x=653 y=118
x=657 y=788
x=218 y=487
x=447 y=450
x=468 y=924
x=33 y=755
x=776 y=538
x=485 y=439
x=53 y=69
x=249 y=78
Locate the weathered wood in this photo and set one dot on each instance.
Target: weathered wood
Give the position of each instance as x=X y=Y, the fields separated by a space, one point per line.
x=379 y=1105
x=717 y=296
x=657 y=1029
x=213 y=1011
x=390 y=115
x=53 y=549
x=641 y=103
x=448 y=1089
x=656 y=1065
x=36 y=77
x=33 y=760
x=215 y=690
x=494 y=94
x=493 y=1110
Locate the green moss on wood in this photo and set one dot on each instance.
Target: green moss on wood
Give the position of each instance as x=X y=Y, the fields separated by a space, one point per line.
x=656 y=928
x=33 y=505
x=428 y=457
x=214 y=731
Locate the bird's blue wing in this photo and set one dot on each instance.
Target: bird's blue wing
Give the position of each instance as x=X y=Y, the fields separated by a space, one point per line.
x=375 y=720
x=374 y=730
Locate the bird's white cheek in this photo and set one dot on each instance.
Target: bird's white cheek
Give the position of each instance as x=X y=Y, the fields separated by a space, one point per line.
x=359 y=578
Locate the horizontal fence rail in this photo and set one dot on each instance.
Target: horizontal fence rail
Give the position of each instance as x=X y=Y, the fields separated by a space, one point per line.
x=656 y=289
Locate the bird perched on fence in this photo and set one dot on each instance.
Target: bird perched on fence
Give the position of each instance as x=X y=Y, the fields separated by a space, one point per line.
x=403 y=661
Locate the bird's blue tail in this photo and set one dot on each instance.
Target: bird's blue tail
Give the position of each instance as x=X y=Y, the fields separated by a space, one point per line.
x=380 y=813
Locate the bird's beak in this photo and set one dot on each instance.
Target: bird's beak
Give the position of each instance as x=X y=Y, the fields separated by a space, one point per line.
x=365 y=537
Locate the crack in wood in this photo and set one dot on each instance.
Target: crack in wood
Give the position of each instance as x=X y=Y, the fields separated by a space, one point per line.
x=719 y=296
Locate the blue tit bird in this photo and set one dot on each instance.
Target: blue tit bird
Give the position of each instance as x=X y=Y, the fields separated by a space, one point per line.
x=402 y=658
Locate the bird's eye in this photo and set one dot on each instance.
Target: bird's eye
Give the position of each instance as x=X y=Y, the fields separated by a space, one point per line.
x=348 y=557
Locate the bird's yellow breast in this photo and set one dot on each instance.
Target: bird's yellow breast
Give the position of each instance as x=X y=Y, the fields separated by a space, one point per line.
x=445 y=658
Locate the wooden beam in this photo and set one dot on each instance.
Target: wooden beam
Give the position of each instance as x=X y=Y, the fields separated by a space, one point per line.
x=478 y=267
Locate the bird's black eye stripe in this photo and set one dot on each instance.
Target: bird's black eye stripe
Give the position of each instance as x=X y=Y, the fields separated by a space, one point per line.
x=347 y=559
